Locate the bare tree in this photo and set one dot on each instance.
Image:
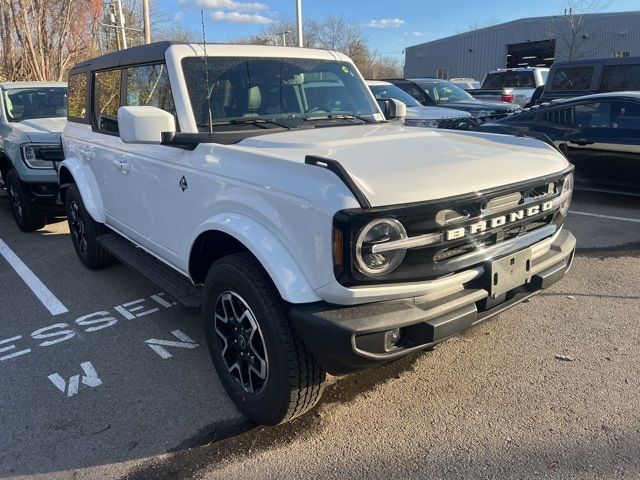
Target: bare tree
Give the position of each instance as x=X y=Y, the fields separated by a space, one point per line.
x=332 y=33
x=575 y=38
x=41 y=39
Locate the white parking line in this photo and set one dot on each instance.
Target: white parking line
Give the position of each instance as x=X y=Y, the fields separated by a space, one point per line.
x=39 y=289
x=624 y=219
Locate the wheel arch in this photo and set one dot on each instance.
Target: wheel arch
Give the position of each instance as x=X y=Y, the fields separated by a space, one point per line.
x=226 y=234
x=71 y=172
x=5 y=164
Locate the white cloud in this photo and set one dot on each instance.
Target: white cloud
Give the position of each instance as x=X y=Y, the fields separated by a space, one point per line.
x=414 y=34
x=226 y=5
x=385 y=23
x=179 y=16
x=237 y=17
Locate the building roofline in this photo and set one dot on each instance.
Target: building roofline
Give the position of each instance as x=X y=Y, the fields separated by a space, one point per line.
x=512 y=22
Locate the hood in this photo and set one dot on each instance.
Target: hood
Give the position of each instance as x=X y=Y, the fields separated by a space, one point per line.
x=393 y=164
x=41 y=130
x=434 y=113
x=482 y=105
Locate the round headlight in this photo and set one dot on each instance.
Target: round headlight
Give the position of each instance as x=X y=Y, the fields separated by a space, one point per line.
x=374 y=233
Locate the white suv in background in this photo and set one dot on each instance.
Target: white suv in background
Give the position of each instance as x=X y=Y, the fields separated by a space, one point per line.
x=269 y=192
x=418 y=115
x=32 y=116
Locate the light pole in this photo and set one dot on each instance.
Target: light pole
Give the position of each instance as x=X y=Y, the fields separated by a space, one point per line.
x=147 y=22
x=299 y=21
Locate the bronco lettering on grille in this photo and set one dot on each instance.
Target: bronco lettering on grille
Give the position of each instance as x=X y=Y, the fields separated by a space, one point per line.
x=495 y=222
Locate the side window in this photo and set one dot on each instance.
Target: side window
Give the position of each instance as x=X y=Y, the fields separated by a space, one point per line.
x=148 y=85
x=593 y=115
x=619 y=78
x=106 y=100
x=625 y=115
x=572 y=78
x=77 y=97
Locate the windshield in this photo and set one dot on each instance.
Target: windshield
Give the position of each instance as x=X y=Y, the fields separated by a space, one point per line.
x=287 y=90
x=385 y=92
x=442 y=91
x=28 y=103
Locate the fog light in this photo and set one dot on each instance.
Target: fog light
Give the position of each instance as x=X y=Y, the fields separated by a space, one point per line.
x=393 y=338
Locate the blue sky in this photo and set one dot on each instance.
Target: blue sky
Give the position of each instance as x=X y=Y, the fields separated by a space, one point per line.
x=390 y=26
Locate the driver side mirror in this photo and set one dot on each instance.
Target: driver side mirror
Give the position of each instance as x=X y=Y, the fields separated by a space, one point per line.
x=144 y=124
x=392 y=108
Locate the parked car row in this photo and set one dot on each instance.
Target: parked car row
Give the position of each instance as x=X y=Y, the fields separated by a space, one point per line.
x=442 y=93
x=512 y=85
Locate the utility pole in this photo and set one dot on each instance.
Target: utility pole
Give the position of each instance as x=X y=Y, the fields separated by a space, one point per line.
x=299 y=21
x=147 y=22
x=122 y=27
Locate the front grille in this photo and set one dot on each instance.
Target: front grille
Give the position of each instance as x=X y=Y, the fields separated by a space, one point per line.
x=505 y=235
x=457 y=123
x=462 y=215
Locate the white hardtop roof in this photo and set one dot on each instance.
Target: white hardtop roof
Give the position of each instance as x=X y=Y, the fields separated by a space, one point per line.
x=11 y=85
x=377 y=83
x=266 y=51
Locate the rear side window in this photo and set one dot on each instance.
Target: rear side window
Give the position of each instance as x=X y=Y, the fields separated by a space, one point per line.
x=572 y=78
x=593 y=115
x=515 y=79
x=621 y=77
x=106 y=101
x=77 y=97
x=148 y=85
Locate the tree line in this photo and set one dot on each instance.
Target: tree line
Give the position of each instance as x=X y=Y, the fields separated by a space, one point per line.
x=40 y=40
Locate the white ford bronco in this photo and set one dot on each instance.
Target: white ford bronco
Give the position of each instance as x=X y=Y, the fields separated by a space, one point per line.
x=314 y=235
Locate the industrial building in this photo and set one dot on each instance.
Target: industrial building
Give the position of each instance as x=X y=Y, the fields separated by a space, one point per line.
x=536 y=41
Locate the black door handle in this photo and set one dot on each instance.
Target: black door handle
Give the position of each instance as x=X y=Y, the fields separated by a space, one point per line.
x=582 y=142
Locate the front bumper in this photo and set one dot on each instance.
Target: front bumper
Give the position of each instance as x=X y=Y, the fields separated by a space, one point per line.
x=345 y=339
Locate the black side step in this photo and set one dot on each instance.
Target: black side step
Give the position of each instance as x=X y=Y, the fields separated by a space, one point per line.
x=175 y=284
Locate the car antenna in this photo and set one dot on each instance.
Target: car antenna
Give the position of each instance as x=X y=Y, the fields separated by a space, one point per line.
x=206 y=73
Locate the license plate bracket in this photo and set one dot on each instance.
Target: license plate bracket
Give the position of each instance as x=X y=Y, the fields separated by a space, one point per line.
x=509 y=272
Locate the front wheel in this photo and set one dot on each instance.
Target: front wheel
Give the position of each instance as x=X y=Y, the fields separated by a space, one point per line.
x=28 y=216
x=84 y=231
x=262 y=363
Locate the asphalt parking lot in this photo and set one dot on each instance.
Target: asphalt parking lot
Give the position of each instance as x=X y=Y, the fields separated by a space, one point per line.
x=106 y=378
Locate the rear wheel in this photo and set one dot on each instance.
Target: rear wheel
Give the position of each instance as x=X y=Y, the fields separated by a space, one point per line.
x=28 y=216
x=262 y=363
x=84 y=231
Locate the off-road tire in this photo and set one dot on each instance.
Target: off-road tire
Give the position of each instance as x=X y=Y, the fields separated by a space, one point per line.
x=91 y=254
x=295 y=380
x=28 y=216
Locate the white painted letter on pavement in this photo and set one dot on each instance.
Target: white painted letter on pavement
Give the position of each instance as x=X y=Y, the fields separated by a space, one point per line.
x=157 y=344
x=90 y=379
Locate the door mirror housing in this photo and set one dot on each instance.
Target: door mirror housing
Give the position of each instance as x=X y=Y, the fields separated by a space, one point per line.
x=392 y=108
x=144 y=124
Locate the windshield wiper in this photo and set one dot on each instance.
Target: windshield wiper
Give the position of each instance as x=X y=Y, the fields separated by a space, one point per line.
x=338 y=116
x=260 y=122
